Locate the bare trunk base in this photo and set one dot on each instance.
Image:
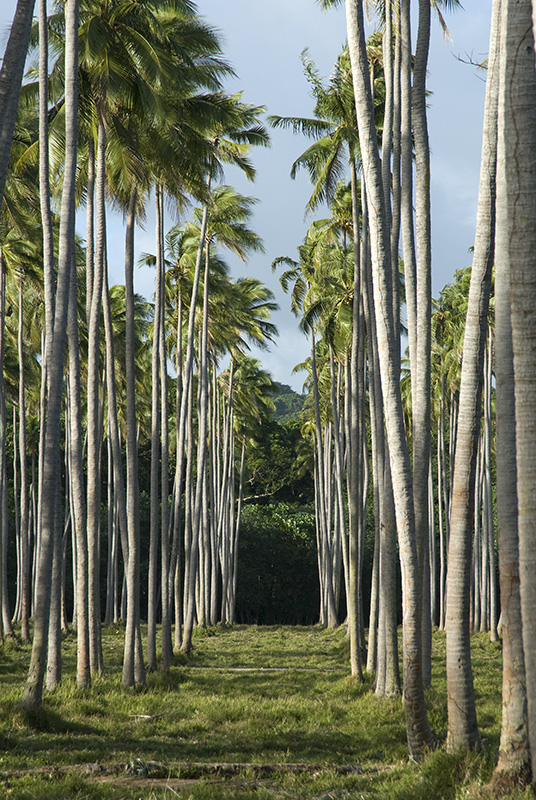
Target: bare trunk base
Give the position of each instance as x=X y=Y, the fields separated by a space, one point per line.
x=510 y=778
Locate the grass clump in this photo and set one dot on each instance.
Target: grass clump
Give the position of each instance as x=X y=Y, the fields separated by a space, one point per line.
x=255 y=712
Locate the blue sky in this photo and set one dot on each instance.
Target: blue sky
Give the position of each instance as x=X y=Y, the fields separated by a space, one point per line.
x=263 y=42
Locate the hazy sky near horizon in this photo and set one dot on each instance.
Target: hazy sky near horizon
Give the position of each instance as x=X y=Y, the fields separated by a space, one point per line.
x=263 y=42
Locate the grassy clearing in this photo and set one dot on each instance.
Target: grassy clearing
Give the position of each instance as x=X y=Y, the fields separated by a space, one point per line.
x=276 y=701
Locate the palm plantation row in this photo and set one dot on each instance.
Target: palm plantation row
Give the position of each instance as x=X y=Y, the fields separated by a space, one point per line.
x=144 y=52
x=133 y=107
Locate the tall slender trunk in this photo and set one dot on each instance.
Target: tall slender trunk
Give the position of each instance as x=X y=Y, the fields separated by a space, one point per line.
x=133 y=666
x=421 y=398
x=34 y=685
x=462 y=721
x=78 y=499
x=200 y=488
x=167 y=647
x=93 y=425
x=516 y=231
x=514 y=762
x=418 y=730
x=24 y=531
x=329 y=615
x=155 y=455
x=185 y=396
x=7 y=628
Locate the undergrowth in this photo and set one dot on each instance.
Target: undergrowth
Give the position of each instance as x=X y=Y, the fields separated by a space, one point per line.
x=279 y=702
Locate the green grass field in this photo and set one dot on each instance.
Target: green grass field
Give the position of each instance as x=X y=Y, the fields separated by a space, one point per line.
x=255 y=712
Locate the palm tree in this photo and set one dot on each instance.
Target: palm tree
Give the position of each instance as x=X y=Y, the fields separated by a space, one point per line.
x=314 y=267
x=142 y=50
x=230 y=140
x=227 y=226
x=20 y=253
x=252 y=404
x=333 y=127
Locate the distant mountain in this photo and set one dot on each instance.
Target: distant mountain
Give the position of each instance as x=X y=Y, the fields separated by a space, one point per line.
x=288 y=403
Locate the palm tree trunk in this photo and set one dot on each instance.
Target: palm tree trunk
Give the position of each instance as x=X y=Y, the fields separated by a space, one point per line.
x=514 y=762
x=155 y=459
x=93 y=415
x=462 y=722
x=23 y=517
x=187 y=379
x=329 y=616
x=418 y=730
x=78 y=499
x=32 y=696
x=53 y=670
x=237 y=532
x=200 y=488
x=115 y=441
x=516 y=232
x=406 y=206
x=7 y=628
x=421 y=397
x=133 y=666
x=167 y=647
x=386 y=663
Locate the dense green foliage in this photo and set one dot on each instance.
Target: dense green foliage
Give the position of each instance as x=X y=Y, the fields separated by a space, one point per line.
x=288 y=403
x=274 y=465
x=277 y=565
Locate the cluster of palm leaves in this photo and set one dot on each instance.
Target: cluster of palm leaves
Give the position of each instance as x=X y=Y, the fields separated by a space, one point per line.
x=126 y=104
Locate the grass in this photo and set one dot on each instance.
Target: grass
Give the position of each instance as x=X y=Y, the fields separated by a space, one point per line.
x=276 y=701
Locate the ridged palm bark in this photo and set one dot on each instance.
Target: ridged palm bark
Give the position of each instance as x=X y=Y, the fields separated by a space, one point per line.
x=514 y=762
x=32 y=696
x=418 y=730
x=355 y=425
x=385 y=663
x=6 y=626
x=133 y=667
x=182 y=436
x=46 y=218
x=200 y=487
x=78 y=499
x=423 y=295
x=152 y=580
x=166 y=645
x=462 y=721
x=516 y=231
x=93 y=411
x=24 y=532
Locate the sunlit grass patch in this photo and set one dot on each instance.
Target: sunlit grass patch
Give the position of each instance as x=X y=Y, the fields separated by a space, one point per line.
x=267 y=701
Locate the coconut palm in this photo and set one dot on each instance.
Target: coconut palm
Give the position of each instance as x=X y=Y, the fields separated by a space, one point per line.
x=306 y=276
x=171 y=47
x=227 y=226
x=252 y=404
